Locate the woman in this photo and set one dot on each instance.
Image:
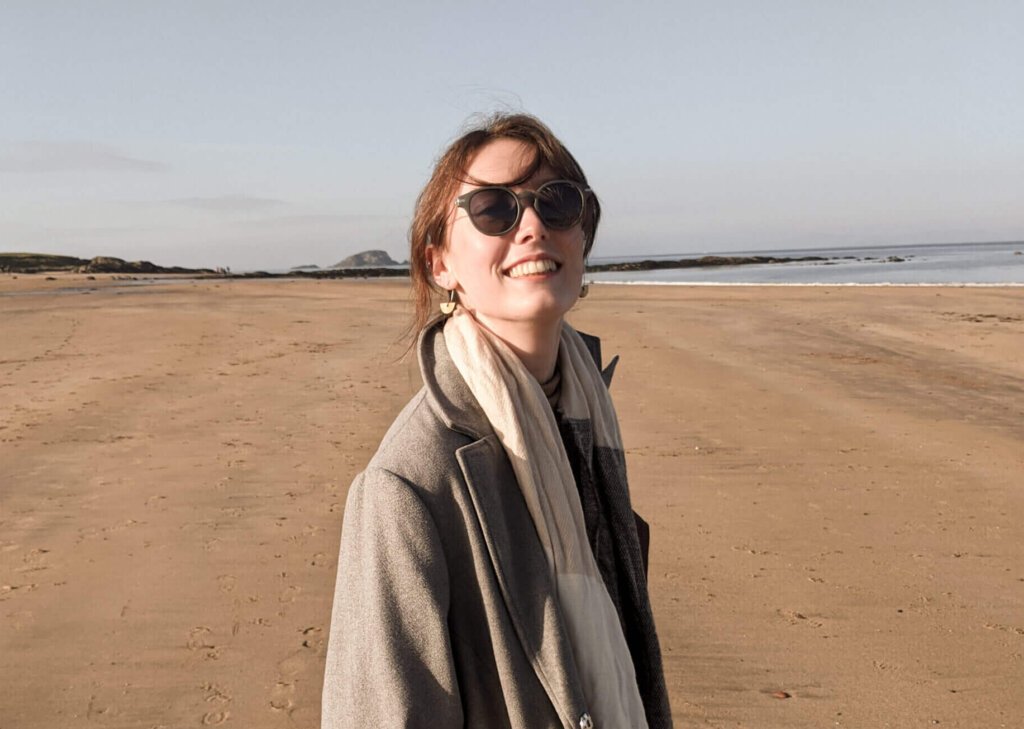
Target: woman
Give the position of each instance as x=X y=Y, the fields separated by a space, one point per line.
x=490 y=572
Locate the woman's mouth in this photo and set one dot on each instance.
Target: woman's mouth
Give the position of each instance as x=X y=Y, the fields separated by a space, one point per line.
x=532 y=268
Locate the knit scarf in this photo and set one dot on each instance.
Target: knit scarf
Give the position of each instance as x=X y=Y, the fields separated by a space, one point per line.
x=519 y=412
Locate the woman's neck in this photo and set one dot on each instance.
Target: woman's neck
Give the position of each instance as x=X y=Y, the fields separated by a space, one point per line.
x=535 y=343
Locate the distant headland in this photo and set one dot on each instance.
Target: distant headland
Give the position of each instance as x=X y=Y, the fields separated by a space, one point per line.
x=48 y=263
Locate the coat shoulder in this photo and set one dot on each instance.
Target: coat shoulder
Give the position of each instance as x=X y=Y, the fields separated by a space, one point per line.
x=419 y=448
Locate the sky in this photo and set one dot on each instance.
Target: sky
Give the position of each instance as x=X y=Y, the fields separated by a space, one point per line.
x=266 y=135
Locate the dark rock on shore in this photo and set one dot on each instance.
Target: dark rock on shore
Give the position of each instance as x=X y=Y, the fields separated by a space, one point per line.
x=329 y=273
x=703 y=261
x=109 y=264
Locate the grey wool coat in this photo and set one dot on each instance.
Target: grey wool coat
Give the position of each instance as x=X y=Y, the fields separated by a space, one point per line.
x=444 y=615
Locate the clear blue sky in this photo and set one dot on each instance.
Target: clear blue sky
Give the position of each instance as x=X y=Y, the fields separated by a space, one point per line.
x=267 y=135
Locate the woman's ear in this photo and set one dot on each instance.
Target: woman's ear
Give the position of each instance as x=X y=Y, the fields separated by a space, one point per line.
x=438 y=267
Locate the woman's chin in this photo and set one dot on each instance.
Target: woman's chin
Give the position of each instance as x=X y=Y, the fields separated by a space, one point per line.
x=542 y=312
x=546 y=304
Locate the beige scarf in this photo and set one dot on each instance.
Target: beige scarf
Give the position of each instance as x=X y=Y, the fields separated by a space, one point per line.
x=518 y=411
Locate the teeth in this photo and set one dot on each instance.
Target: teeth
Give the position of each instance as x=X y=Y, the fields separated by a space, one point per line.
x=531 y=268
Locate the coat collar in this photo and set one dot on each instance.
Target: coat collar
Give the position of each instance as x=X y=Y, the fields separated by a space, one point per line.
x=449 y=394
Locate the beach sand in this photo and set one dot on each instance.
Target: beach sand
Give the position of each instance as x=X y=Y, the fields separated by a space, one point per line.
x=834 y=479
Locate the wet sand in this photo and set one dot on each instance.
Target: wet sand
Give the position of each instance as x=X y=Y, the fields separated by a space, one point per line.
x=834 y=479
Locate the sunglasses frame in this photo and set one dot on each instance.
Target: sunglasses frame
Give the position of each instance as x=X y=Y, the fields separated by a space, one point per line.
x=526 y=197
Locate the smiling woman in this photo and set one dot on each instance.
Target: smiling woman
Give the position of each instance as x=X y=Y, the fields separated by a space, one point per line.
x=491 y=570
x=521 y=281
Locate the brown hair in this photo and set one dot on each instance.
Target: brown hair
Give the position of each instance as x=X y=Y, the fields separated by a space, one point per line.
x=434 y=204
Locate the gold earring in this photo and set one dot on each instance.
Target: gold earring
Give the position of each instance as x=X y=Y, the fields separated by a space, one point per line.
x=448 y=307
x=584 y=290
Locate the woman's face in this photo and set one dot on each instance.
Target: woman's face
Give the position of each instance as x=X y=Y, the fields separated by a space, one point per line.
x=485 y=270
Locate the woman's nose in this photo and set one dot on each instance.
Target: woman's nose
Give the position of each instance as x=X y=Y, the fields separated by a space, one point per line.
x=531 y=227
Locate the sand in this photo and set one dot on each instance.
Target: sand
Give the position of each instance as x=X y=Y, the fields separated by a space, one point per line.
x=834 y=478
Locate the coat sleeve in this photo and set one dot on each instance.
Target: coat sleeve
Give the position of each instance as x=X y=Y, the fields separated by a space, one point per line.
x=389 y=659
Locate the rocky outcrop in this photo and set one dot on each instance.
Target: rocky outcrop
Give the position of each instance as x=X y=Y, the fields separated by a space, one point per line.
x=36 y=262
x=367 y=259
x=650 y=265
x=39 y=262
x=109 y=264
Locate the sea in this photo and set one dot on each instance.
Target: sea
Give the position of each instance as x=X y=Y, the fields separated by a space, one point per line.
x=976 y=264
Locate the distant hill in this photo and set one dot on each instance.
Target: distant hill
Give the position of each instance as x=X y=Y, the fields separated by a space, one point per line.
x=38 y=262
x=307 y=267
x=367 y=259
x=33 y=262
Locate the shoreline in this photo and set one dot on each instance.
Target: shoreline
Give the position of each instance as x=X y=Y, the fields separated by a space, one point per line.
x=122 y=281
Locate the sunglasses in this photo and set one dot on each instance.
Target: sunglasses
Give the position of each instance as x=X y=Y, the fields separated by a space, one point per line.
x=497 y=210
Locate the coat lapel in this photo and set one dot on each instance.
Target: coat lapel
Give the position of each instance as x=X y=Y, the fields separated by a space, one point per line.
x=522 y=572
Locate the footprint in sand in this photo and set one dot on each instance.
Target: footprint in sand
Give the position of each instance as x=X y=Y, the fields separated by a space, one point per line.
x=215 y=694
x=226 y=583
x=197 y=637
x=34 y=559
x=93 y=710
x=199 y=640
x=214 y=718
x=212 y=545
x=794 y=617
x=1004 y=628
x=294 y=664
x=281 y=696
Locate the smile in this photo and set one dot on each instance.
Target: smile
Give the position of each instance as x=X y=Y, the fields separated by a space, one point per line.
x=532 y=268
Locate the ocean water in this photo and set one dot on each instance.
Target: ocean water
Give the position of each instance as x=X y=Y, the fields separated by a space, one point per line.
x=960 y=263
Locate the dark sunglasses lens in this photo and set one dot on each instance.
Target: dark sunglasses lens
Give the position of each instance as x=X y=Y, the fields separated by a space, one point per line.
x=493 y=211
x=560 y=205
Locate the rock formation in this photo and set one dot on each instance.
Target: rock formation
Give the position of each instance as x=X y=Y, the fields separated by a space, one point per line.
x=367 y=259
